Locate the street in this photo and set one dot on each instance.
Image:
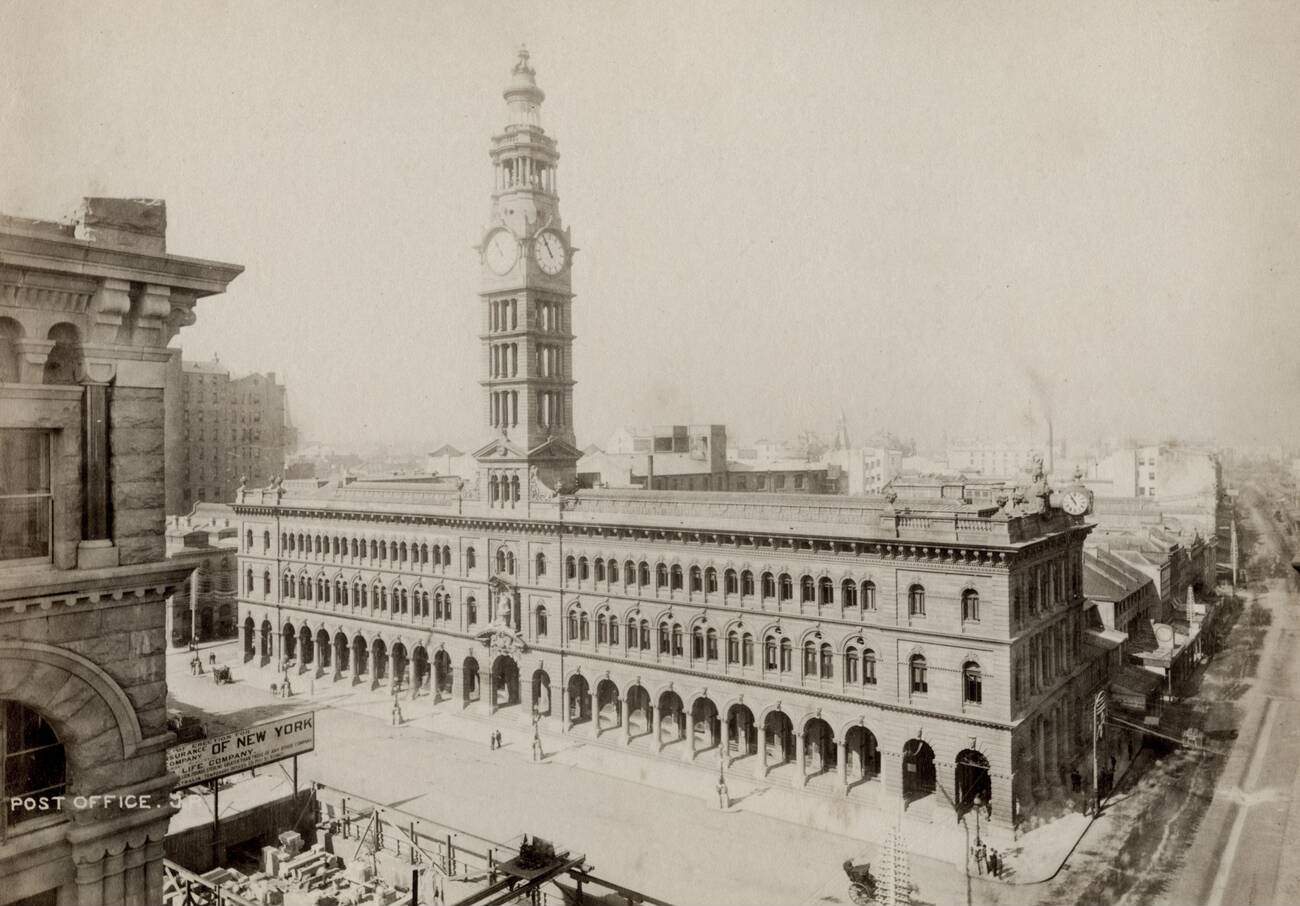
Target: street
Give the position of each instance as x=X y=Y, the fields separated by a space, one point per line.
x=1244 y=851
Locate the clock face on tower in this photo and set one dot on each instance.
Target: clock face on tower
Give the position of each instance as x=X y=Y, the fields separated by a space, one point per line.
x=1076 y=503
x=501 y=252
x=548 y=249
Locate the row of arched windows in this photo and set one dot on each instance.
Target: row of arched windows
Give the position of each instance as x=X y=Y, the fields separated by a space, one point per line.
x=705 y=581
x=248 y=540
x=503 y=488
x=399 y=552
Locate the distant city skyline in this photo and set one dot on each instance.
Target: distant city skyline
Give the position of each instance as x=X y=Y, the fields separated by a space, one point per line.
x=779 y=213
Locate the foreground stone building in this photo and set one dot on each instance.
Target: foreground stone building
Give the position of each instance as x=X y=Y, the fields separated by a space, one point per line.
x=862 y=647
x=86 y=311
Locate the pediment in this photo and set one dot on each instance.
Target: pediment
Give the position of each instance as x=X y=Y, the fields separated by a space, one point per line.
x=555 y=448
x=500 y=449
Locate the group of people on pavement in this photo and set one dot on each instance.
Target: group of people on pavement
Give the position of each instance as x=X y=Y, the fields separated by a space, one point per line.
x=987 y=859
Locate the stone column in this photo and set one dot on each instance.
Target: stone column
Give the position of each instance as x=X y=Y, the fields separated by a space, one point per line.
x=724 y=741
x=689 y=749
x=658 y=744
x=32 y=356
x=491 y=692
x=566 y=715
x=153 y=871
x=595 y=714
x=194 y=605
x=133 y=876
x=800 y=775
x=760 y=770
x=90 y=883
x=625 y=718
x=114 y=888
x=842 y=760
x=96 y=550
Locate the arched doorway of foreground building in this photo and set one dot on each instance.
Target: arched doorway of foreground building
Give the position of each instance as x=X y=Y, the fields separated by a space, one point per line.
x=420 y=663
x=780 y=739
x=672 y=719
x=182 y=632
x=400 y=679
x=607 y=705
x=818 y=748
x=250 y=645
x=266 y=653
x=742 y=734
x=469 y=682
x=918 y=770
x=360 y=658
x=305 y=649
x=288 y=645
x=505 y=682
x=638 y=712
x=704 y=724
x=378 y=661
x=442 y=673
x=342 y=661
x=323 y=650
x=579 y=700
x=971 y=780
x=541 y=693
x=863 y=753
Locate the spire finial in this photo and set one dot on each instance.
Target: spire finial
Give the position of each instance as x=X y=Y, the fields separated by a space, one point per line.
x=521 y=65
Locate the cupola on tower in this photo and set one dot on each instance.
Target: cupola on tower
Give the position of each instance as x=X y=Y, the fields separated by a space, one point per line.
x=526 y=256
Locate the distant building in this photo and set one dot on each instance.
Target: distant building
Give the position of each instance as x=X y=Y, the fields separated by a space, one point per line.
x=694 y=458
x=448 y=460
x=1003 y=459
x=1166 y=471
x=207 y=541
x=866 y=470
x=223 y=431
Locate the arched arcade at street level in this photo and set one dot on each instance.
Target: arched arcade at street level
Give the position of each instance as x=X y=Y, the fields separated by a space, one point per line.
x=767 y=735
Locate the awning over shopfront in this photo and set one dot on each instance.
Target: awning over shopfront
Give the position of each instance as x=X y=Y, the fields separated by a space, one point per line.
x=1135 y=689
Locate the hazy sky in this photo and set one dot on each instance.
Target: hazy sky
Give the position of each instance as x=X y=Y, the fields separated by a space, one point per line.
x=916 y=212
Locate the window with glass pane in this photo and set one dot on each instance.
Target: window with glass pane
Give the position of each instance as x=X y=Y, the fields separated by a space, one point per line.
x=33 y=761
x=25 y=501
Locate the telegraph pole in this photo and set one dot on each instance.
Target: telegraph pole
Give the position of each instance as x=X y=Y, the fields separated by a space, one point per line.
x=1098 y=728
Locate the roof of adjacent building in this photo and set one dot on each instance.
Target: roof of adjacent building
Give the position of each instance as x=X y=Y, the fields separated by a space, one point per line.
x=1107 y=577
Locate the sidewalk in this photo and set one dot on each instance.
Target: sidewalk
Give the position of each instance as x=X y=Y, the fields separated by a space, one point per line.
x=929 y=826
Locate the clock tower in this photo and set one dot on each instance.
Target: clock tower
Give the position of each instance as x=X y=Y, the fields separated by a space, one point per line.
x=526 y=332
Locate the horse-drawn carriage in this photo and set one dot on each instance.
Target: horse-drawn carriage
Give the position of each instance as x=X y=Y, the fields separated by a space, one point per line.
x=862 y=883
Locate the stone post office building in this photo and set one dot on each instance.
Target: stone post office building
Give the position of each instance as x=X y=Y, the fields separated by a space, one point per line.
x=844 y=646
x=86 y=311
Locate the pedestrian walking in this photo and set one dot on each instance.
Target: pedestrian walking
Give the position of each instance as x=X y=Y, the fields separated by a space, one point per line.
x=212 y=659
x=1076 y=780
x=537 y=747
x=995 y=863
x=397 y=714
x=288 y=690
x=724 y=798
x=980 y=855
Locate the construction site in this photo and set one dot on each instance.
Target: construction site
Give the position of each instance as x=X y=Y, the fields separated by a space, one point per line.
x=323 y=847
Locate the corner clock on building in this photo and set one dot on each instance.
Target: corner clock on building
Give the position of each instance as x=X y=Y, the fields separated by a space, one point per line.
x=548 y=249
x=501 y=252
x=1077 y=499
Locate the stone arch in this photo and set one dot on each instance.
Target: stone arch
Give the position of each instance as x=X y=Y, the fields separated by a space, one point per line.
x=819 y=748
x=505 y=681
x=89 y=711
x=972 y=782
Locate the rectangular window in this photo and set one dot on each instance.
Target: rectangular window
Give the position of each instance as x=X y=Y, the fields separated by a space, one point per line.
x=26 y=507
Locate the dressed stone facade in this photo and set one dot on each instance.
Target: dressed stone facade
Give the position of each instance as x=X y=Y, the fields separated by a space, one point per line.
x=86 y=311
x=859 y=647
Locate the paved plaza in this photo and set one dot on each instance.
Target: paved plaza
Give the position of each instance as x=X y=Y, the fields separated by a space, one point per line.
x=644 y=821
